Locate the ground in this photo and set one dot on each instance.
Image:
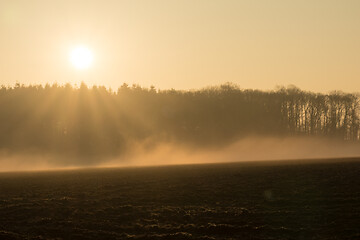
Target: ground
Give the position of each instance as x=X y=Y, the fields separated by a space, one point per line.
x=259 y=200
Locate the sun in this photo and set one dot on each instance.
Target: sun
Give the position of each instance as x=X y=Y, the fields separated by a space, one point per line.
x=81 y=57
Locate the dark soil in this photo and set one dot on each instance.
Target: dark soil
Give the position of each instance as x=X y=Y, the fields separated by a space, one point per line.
x=277 y=200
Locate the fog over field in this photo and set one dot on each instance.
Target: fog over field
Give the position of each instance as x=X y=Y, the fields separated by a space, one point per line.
x=148 y=154
x=247 y=149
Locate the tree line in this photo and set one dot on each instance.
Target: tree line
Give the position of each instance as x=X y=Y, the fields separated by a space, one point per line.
x=99 y=122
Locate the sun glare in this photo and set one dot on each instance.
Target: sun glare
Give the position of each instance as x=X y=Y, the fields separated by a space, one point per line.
x=81 y=57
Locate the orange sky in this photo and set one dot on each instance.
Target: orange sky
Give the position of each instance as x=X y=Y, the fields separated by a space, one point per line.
x=184 y=44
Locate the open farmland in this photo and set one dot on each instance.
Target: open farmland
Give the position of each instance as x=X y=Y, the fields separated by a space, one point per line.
x=258 y=200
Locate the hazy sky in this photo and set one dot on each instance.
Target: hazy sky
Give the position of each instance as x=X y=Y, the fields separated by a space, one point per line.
x=184 y=44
